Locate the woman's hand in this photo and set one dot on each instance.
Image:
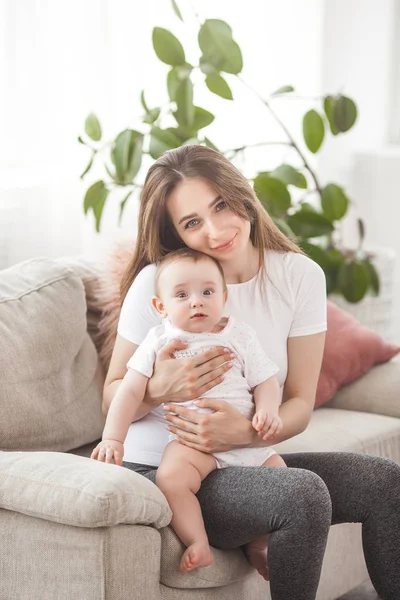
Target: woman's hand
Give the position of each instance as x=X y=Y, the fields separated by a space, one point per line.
x=178 y=380
x=222 y=430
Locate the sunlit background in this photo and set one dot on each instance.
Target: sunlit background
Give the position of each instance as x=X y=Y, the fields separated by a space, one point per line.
x=60 y=60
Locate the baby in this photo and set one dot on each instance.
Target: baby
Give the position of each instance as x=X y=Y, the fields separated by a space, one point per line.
x=190 y=296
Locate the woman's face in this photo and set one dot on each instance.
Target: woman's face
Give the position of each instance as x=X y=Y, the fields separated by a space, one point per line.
x=205 y=223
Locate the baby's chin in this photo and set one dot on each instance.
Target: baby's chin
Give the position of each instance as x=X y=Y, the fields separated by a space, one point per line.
x=199 y=326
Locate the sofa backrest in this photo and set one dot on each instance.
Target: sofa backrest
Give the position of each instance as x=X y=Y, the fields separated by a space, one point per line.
x=50 y=376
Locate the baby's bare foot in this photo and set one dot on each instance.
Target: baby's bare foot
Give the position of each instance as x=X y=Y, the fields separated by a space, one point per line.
x=257 y=555
x=197 y=555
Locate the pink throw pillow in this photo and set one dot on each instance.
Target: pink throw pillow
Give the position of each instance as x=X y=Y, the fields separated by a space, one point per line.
x=351 y=349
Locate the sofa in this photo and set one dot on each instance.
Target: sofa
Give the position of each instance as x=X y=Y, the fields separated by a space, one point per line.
x=75 y=528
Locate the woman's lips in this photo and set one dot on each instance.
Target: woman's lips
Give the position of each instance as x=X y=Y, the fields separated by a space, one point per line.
x=226 y=245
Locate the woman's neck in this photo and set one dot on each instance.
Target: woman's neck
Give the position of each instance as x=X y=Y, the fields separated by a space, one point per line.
x=244 y=268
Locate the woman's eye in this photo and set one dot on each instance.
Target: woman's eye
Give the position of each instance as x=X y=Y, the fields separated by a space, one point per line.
x=191 y=224
x=220 y=205
x=208 y=292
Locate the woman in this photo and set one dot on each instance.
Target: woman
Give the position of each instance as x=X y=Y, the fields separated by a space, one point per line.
x=195 y=197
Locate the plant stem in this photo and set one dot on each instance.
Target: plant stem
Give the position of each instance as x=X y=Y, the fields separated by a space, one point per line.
x=287 y=132
x=258 y=144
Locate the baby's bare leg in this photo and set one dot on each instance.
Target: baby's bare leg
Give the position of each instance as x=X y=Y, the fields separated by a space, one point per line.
x=179 y=477
x=256 y=551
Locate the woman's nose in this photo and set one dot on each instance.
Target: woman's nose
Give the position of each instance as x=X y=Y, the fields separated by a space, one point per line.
x=212 y=231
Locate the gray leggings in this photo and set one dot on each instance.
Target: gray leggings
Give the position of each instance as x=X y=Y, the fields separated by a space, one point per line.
x=297 y=505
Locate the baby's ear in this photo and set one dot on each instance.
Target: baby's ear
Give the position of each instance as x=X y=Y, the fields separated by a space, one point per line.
x=158 y=305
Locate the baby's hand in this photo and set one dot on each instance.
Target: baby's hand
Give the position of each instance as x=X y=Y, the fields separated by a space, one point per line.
x=109 y=451
x=267 y=424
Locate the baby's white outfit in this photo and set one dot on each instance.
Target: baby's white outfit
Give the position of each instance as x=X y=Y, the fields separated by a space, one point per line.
x=250 y=368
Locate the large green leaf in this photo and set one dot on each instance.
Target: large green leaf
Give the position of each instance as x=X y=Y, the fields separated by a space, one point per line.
x=93 y=128
x=167 y=47
x=289 y=176
x=127 y=155
x=344 y=113
x=218 y=47
x=202 y=118
x=329 y=105
x=95 y=199
x=184 y=100
x=173 y=82
x=308 y=224
x=353 y=280
x=175 y=77
x=217 y=84
x=284 y=227
x=273 y=194
x=374 y=281
x=334 y=202
x=162 y=140
x=332 y=269
x=313 y=130
x=318 y=254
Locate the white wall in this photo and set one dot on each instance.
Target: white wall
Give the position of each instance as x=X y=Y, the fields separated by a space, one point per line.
x=360 y=42
x=61 y=60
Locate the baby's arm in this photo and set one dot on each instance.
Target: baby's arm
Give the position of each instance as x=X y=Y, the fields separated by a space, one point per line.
x=122 y=412
x=267 y=399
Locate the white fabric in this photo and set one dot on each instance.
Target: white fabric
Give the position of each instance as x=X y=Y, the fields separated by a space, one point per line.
x=293 y=304
x=250 y=368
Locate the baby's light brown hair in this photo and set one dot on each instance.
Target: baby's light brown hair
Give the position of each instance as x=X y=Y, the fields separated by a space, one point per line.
x=184 y=254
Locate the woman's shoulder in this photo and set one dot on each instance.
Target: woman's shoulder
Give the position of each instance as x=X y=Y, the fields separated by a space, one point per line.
x=295 y=265
x=146 y=274
x=143 y=282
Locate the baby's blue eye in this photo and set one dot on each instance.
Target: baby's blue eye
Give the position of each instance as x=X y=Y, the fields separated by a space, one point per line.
x=208 y=292
x=181 y=295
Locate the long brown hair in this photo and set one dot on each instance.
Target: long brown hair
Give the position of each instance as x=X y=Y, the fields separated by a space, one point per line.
x=156 y=233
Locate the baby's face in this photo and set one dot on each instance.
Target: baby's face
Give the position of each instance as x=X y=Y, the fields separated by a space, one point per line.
x=192 y=295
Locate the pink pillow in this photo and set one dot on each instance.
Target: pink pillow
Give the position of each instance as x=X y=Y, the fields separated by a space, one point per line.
x=351 y=349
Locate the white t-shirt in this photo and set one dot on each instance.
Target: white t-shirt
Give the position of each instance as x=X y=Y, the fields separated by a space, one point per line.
x=293 y=304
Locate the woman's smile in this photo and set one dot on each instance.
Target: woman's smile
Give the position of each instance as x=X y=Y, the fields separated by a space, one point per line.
x=225 y=246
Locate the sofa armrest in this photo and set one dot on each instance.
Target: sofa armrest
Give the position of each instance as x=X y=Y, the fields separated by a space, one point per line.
x=78 y=491
x=378 y=391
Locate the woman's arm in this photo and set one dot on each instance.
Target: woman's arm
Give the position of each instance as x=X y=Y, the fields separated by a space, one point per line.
x=304 y=365
x=122 y=352
x=227 y=428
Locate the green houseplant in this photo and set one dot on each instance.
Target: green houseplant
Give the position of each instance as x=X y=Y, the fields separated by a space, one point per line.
x=313 y=224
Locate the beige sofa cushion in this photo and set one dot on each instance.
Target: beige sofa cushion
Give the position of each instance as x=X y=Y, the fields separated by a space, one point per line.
x=78 y=491
x=335 y=430
x=51 y=381
x=378 y=391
